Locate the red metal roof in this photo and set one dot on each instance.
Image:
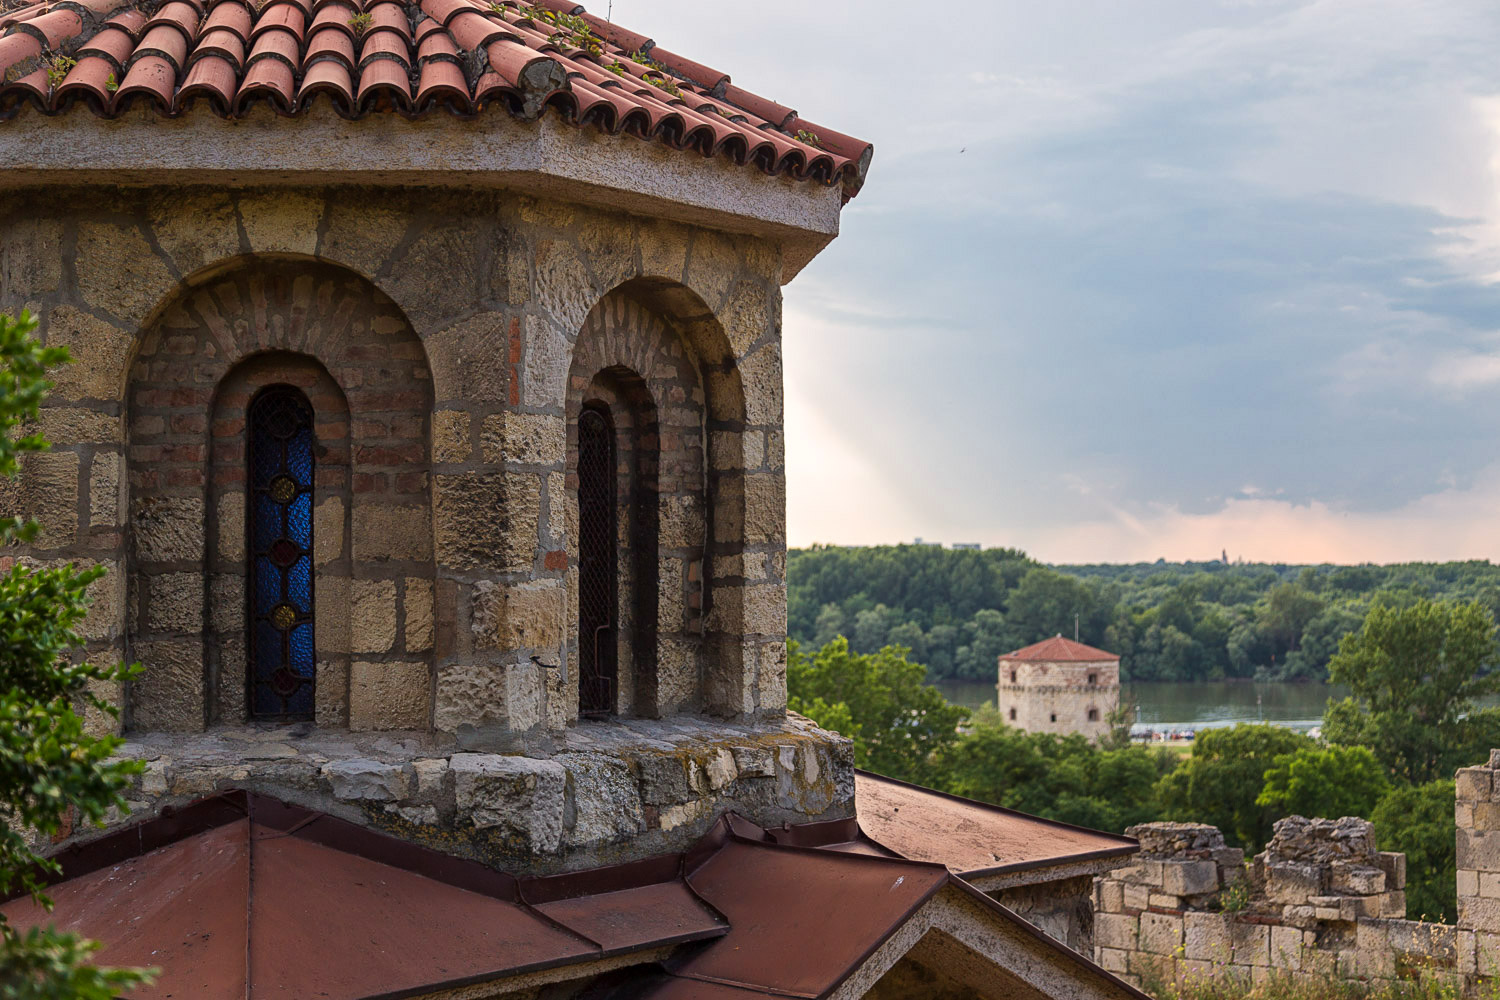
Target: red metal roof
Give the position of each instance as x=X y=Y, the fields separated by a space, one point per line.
x=1060 y=650
x=971 y=838
x=243 y=896
x=376 y=56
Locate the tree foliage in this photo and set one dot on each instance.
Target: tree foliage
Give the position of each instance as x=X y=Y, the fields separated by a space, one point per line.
x=1415 y=674
x=1330 y=781
x=52 y=771
x=1222 y=780
x=1417 y=820
x=897 y=721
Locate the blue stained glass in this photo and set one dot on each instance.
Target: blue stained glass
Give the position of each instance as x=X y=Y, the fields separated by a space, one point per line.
x=299 y=585
x=299 y=520
x=282 y=653
x=300 y=647
x=267 y=586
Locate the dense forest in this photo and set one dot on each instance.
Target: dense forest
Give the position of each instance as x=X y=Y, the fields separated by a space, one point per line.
x=959 y=609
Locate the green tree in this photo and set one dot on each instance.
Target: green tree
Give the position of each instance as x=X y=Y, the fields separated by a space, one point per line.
x=1064 y=778
x=1418 y=821
x=51 y=769
x=1223 y=776
x=900 y=720
x=1330 y=781
x=1414 y=673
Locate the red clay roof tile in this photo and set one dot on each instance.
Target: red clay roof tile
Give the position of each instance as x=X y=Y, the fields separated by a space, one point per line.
x=465 y=55
x=1060 y=650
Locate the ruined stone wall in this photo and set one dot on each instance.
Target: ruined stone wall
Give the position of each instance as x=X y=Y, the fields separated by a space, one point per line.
x=1063 y=909
x=1058 y=697
x=449 y=325
x=1320 y=902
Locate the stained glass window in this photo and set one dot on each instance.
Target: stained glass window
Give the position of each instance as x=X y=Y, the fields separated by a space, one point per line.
x=280 y=427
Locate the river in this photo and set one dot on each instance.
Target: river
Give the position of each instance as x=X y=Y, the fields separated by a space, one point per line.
x=1203 y=705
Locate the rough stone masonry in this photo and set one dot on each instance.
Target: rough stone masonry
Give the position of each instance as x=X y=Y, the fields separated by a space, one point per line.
x=1319 y=902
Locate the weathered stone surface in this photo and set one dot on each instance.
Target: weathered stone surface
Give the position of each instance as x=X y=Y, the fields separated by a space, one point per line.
x=118 y=272
x=1161 y=933
x=373 y=628
x=168 y=529
x=106 y=490
x=1293 y=883
x=328 y=531
x=519 y=797
x=391 y=531
x=1206 y=936
x=440 y=274
x=196 y=227
x=603 y=805
x=66 y=425
x=486 y=697
x=168 y=695
x=99 y=350
x=362 y=778
x=485 y=520
x=523 y=438
x=31 y=254
x=360 y=232
x=1189 y=878
x=519 y=616
x=389 y=696
x=47 y=491
x=281 y=221
x=469 y=360
x=176 y=603
x=450 y=436
x=417 y=605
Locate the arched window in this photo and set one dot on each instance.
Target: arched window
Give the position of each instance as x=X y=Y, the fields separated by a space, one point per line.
x=1012 y=715
x=1012 y=676
x=1093 y=715
x=598 y=577
x=280 y=586
x=1093 y=679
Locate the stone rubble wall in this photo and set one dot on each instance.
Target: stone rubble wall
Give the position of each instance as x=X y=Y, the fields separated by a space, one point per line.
x=1321 y=901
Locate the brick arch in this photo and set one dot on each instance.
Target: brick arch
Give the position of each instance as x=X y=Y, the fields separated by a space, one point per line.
x=715 y=651
x=242 y=325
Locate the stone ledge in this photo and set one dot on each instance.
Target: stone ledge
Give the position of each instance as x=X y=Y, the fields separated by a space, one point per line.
x=601 y=793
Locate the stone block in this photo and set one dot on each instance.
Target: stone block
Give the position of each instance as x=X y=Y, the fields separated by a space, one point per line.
x=118 y=271
x=1110 y=896
x=450 y=437
x=1189 y=878
x=1489 y=885
x=168 y=529
x=1373 y=955
x=331 y=696
x=363 y=778
x=100 y=352
x=417 y=604
x=1137 y=897
x=1352 y=908
x=1206 y=936
x=604 y=805
x=765 y=509
x=1113 y=959
x=482 y=700
x=523 y=439
x=331 y=626
x=1249 y=944
x=1161 y=933
x=1483 y=815
x=169 y=695
x=46 y=491
x=1478 y=850
x=1393 y=863
x=680 y=521
x=389 y=696
x=174 y=603
x=373 y=616
x=468 y=361
x=328 y=531
x=1113 y=930
x=487 y=520
x=1286 y=948
x=1480 y=914
x=1164 y=901
x=519 y=616
x=231 y=540
x=387 y=531
x=1292 y=882
x=1473 y=784
x=1356 y=880
x=753 y=762
x=281 y=221
x=106 y=490
x=519 y=797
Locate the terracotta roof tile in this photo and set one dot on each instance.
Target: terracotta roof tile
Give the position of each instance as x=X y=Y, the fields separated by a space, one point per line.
x=1060 y=650
x=369 y=56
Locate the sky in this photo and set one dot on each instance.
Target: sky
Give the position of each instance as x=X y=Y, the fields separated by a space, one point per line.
x=1141 y=279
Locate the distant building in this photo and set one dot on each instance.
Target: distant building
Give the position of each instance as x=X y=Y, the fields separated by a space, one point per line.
x=969 y=546
x=918 y=541
x=1059 y=686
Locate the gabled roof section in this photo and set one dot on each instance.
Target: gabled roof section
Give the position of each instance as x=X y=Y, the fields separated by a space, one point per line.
x=373 y=57
x=1060 y=650
x=973 y=839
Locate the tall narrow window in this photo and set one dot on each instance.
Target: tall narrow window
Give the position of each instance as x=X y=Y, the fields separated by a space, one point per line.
x=282 y=663
x=598 y=580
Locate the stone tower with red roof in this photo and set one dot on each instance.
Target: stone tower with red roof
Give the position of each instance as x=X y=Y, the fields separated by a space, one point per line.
x=1059 y=686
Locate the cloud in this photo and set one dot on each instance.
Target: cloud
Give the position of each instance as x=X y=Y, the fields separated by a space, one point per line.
x=1449 y=524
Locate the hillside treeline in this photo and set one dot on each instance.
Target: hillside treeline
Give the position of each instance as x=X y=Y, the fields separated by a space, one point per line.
x=958 y=610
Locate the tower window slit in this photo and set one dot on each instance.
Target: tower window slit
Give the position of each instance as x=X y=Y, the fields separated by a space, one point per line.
x=598 y=580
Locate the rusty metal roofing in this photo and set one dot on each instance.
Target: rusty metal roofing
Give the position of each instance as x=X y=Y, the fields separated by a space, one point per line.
x=243 y=896
x=971 y=838
x=370 y=58
x=279 y=901
x=1060 y=650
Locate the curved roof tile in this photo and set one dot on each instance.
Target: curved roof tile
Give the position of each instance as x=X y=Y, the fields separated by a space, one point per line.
x=371 y=56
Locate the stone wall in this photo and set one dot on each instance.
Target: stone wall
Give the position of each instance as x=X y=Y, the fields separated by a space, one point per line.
x=443 y=334
x=1059 y=698
x=1063 y=909
x=1321 y=901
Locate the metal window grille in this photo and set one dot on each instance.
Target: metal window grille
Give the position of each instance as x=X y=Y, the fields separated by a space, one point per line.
x=280 y=587
x=598 y=594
